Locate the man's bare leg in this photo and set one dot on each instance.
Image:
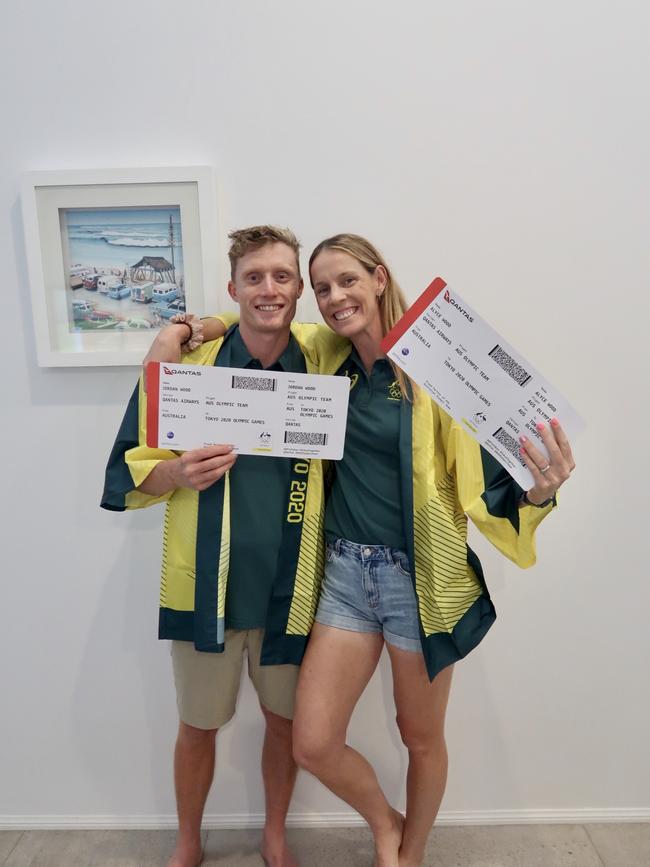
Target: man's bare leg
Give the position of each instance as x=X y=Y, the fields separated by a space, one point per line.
x=279 y=775
x=194 y=759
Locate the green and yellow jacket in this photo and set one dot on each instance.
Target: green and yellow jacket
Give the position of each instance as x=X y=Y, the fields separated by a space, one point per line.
x=446 y=478
x=196 y=538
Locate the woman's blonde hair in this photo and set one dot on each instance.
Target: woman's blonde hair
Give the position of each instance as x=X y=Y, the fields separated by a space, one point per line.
x=392 y=304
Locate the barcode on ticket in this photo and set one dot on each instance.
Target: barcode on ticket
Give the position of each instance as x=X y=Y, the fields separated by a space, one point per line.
x=507 y=362
x=254 y=383
x=510 y=444
x=305 y=439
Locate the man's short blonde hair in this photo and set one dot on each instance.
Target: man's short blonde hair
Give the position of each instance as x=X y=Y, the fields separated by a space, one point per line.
x=243 y=241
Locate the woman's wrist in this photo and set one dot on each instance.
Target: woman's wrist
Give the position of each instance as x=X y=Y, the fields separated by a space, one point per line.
x=192 y=331
x=175 y=334
x=188 y=331
x=526 y=501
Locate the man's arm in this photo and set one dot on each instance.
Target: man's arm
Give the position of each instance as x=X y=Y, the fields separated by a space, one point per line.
x=196 y=469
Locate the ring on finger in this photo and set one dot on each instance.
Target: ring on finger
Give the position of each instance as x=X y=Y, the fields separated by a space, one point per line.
x=545 y=469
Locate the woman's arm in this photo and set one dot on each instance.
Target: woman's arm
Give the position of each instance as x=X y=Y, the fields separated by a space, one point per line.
x=491 y=497
x=170 y=341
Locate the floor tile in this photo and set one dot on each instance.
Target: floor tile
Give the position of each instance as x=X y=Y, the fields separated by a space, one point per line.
x=511 y=846
x=232 y=848
x=622 y=845
x=92 y=849
x=8 y=840
x=331 y=847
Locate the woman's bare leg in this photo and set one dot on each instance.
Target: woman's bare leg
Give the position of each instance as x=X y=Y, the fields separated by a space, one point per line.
x=421 y=707
x=335 y=671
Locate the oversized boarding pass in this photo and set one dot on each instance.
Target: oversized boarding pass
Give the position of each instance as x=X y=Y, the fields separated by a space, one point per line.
x=259 y=412
x=477 y=377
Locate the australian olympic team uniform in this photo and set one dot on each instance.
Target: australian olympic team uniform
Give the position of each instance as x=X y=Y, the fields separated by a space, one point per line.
x=397 y=559
x=241 y=562
x=367 y=585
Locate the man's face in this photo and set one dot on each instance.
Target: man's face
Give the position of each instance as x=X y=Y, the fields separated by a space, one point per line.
x=267 y=288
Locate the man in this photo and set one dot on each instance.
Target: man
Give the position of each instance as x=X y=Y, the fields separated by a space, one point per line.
x=236 y=575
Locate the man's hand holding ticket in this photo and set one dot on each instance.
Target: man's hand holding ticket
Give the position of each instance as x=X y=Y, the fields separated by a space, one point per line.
x=271 y=413
x=477 y=377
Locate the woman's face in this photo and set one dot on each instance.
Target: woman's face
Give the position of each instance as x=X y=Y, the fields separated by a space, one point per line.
x=347 y=295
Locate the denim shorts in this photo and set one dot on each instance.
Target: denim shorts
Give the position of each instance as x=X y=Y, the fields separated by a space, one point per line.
x=368 y=588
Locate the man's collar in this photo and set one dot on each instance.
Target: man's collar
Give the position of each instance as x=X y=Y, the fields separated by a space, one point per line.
x=292 y=358
x=241 y=357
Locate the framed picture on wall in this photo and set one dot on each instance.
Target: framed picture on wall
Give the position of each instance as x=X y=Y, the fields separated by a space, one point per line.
x=113 y=254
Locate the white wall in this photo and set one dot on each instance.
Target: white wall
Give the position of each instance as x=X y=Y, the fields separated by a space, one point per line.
x=504 y=146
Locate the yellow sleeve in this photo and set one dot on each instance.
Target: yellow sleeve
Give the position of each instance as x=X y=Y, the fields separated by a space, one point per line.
x=318 y=342
x=131 y=460
x=209 y=322
x=490 y=497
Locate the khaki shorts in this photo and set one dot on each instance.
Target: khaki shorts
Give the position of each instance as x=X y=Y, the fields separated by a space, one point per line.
x=207 y=684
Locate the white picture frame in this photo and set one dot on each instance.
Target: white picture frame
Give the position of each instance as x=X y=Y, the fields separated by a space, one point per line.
x=97 y=226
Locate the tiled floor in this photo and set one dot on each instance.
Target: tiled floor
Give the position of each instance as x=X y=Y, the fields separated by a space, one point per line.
x=624 y=845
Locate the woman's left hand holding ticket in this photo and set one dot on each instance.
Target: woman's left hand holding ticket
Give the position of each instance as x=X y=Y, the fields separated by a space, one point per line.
x=549 y=473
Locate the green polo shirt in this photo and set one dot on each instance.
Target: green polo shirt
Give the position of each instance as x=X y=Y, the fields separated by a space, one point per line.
x=365 y=502
x=258 y=499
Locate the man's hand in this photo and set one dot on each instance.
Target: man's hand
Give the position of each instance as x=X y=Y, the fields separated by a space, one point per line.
x=200 y=468
x=196 y=469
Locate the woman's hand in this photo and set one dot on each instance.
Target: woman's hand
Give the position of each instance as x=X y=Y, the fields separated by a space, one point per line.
x=549 y=474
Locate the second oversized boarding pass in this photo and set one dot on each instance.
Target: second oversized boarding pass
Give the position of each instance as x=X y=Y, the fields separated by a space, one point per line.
x=476 y=376
x=259 y=412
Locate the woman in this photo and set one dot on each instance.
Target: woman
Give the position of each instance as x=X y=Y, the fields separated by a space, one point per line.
x=398 y=569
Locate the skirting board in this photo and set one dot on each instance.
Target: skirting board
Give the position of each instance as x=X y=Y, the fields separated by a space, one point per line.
x=325 y=820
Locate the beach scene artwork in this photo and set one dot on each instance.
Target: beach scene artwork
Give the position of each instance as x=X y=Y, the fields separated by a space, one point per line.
x=124 y=267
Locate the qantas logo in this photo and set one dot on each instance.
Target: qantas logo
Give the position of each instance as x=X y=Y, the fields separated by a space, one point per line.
x=171 y=372
x=455 y=304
